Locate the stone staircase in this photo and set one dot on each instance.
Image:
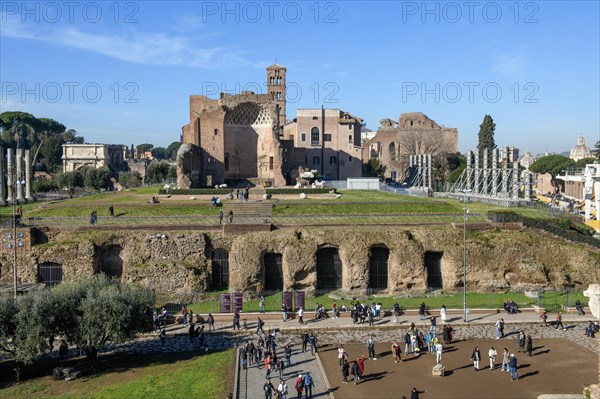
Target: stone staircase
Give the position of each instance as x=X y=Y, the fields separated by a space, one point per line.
x=248 y=212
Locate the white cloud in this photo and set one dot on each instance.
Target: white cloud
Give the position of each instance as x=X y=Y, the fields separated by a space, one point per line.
x=129 y=45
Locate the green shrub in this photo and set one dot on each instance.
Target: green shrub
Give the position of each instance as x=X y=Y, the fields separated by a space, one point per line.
x=43 y=186
x=195 y=191
x=306 y=190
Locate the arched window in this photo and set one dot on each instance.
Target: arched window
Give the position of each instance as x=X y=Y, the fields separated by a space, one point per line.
x=378 y=268
x=315 y=136
x=220 y=269
x=273 y=271
x=329 y=269
x=50 y=273
x=392 y=151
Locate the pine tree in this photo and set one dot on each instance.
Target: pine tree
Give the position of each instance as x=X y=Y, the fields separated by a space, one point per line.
x=486 y=137
x=486 y=134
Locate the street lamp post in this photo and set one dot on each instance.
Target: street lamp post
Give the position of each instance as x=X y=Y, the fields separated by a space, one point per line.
x=15 y=183
x=465 y=213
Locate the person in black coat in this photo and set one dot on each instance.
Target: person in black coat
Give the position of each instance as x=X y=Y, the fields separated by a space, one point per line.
x=345 y=371
x=355 y=372
x=476 y=357
x=529 y=345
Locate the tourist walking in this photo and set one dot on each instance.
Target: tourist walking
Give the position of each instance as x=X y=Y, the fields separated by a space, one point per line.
x=230 y=216
x=371 y=348
x=559 y=321
x=284 y=312
x=544 y=318
x=312 y=340
x=299 y=386
x=345 y=372
x=361 y=365
x=236 y=321
x=259 y=325
x=341 y=354
x=492 y=353
x=396 y=352
x=522 y=341
x=221 y=216
x=505 y=359
x=512 y=367
x=406 y=342
x=301 y=315
x=355 y=372
x=268 y=388
x=305 y=339
x=529 y=345
x=414 y=394
x=476 y=357
x=422 y=311
x=211 y=322
x=443 y=313
x=261 y=304
x=282 y=389
x=287 y=351
x=438 y=352
x=432 y=329
x=191 y=332
x=308 y=385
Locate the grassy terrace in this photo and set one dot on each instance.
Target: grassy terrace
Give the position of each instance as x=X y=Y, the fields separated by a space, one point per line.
x=168 y=375
x=135 y=203
x=553 y=301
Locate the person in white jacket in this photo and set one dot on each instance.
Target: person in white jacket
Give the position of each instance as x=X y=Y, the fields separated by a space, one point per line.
x=282 y=388
x=443 y=313
x=492 y=354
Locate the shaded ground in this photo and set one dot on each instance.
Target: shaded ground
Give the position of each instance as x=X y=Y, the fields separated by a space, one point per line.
x=557 y=366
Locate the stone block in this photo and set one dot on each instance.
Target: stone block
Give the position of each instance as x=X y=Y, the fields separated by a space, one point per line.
x=593 y=292
x=439 y=369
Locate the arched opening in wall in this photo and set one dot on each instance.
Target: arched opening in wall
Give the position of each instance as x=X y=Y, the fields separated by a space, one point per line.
x=329 y=269
x=220 y=269
x=378 y=268
x=392 y=151
x=50 y=273
x=273 y=272
x=111 y=263
x=433 y=264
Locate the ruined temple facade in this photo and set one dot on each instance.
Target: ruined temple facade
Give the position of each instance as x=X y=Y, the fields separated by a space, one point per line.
x=235 y=137
x=414 y=134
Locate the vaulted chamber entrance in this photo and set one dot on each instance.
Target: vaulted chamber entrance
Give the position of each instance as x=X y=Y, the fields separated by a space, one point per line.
x=378 y=268
x=433 y=264
x=273 y=271
x=329 y=269
x=220 y=269
x=50 y=273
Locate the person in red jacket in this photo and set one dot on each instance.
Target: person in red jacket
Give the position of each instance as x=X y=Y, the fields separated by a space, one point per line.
x=361 y=365
x=299 y=385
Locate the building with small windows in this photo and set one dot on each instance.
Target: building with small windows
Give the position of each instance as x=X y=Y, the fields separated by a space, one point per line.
x=331 y=140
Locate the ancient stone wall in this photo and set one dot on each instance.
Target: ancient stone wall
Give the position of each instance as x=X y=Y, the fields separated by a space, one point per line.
x=179 y=262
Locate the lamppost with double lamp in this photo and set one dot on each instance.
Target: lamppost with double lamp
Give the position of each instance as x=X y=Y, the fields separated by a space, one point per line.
x=465 y=213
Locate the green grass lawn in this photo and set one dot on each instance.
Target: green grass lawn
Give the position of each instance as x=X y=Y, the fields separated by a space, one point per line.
x=551 y=300
x=140 y=376
x=134 y=202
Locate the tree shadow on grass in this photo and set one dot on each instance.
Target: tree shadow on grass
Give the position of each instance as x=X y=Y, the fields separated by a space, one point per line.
x=107 y=363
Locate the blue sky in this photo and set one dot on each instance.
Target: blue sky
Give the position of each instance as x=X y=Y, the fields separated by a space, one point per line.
x=123 y=72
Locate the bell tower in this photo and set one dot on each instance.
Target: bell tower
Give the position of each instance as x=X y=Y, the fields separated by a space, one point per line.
x=276 y=88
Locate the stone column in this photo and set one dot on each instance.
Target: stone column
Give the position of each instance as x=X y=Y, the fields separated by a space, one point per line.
x=411 y=161
x=477 y=179
x=19 y=175
x=469 y=185
x=420 y=170
x=10 y=197
x=2 y=182
x=515 y=181
x=486 y=171
x=527 y=186
x=28 y=176
x=505 y=178
x=429 y=182
x=494 y=172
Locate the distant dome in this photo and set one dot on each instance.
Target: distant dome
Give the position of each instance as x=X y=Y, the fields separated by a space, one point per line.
x=580 y=151
x=527 y=159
